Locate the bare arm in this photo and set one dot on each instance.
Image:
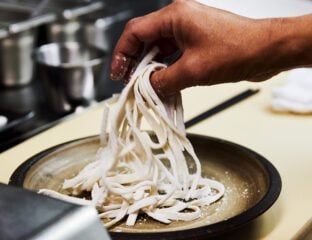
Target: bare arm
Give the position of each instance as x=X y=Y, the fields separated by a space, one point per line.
x=217 y=46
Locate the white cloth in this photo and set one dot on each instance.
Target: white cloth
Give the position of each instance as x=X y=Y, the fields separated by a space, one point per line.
x=296 y=94
x=3 y=121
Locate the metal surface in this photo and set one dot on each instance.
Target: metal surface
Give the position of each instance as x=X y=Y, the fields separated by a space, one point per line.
x=16 y=63
x=103 y=27
x=3 y=32
x=80 y=225
x=65 y=31
x=252 y=186
x=27 y=215
x=18 y=18
x=21 y=15
x=102 y=31
x=15 y=118
x=32 y=23
x=68 y=27
x=62 y=8
x=69 y=72
x=82 y=10
x=18 y=25
x=39 y=8
x=32 y=97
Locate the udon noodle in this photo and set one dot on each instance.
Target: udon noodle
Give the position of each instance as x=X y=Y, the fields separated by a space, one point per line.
x=136 y=171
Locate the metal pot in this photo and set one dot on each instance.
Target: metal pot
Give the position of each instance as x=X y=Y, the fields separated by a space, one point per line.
x=69 y=72
x=65 y=31
x=16 y=63
x=16 y=47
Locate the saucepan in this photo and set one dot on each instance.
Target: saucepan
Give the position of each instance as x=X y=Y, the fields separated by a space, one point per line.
x=69 y=72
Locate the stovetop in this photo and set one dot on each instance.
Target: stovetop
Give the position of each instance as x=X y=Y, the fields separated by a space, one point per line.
x=29 y=113
x=27 y=108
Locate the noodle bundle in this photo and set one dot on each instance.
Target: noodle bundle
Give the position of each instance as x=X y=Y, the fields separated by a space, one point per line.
x=136 y=172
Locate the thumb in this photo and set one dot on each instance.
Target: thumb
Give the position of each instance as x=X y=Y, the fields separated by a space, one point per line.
x=168 y=81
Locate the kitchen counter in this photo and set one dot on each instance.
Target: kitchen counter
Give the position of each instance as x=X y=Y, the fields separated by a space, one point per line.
x=284 y=139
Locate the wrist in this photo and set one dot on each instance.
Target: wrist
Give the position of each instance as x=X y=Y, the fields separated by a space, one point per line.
x=289 y=42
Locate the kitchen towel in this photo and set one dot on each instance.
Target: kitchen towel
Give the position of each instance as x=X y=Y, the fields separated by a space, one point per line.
x=296 y=94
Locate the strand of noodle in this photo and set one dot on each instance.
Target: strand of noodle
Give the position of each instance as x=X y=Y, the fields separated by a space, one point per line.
x=66 y=198
x=122 y=213
x=132 y=218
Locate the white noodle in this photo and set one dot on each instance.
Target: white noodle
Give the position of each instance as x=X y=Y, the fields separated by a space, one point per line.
x=134 y=173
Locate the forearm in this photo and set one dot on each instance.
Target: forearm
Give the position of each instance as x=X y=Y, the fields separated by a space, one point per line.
x=289 y=42
x=268 y=47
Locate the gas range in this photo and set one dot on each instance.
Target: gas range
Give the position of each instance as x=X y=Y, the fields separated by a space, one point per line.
x=28 y=110
x=27 y=107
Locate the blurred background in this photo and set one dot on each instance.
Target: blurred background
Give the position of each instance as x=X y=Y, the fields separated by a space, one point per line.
x=54 y=58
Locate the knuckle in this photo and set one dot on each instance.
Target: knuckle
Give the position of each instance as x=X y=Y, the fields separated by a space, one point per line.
x=180 y=4
x=131 y=24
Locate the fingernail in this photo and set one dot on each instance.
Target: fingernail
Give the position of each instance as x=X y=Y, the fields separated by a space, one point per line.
x=119 y=67
x=157 y=84
x=131 y=69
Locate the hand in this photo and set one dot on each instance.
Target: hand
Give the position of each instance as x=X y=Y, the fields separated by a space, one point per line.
x=217 y=46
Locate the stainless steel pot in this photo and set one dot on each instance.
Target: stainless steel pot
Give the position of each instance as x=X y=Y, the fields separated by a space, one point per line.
x=69 y=72
x=16 y=47
x=68 y=27
x=65 y=31
x=16 y=63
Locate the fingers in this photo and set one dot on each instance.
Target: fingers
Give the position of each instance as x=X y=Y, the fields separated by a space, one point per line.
x=169 y=81
x=138 y=32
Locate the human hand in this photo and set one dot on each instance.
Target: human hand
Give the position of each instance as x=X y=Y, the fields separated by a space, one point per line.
x=217 y=46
